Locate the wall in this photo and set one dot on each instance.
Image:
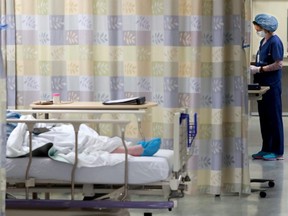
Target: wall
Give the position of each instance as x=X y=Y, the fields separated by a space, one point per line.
x=277 y=8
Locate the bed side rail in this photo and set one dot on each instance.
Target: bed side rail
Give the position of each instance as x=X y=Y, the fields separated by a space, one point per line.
x=82 y=111
x=138 y=113
x=29 y=182
x=185 y=132
x=184 y=135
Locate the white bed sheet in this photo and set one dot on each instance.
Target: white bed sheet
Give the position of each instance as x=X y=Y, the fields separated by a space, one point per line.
x=142 y=170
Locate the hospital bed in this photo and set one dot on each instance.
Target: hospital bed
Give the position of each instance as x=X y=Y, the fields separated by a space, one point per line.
x=111 y=186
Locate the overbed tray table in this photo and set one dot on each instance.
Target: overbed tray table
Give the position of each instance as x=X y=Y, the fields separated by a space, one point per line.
x=94 y=107
x=90 y=105
x=257 y=94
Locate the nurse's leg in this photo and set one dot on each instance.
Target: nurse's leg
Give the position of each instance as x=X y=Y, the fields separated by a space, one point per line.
x=277 y=126
x=263 y=110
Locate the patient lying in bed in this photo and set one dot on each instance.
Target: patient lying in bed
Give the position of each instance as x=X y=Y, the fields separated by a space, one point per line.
x=93 y=150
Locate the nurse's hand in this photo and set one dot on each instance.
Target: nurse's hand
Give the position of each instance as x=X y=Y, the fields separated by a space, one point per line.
x=254 y=69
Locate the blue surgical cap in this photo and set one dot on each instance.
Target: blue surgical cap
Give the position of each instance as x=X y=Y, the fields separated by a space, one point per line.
x=266 y=21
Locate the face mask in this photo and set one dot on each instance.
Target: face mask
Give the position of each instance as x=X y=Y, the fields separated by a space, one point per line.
x=261 y=33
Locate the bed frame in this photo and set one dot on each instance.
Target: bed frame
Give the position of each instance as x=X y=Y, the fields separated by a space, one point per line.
x=112 y=196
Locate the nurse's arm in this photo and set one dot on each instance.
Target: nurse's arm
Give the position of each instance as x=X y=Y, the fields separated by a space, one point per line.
x=273 y=67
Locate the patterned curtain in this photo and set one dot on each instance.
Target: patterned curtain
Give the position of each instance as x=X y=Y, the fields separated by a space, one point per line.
x=2 y=136
x=220 y=163
x=186 y=53
x=2 y=131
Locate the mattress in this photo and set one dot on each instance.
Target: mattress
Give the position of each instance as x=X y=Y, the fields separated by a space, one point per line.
x=141 y=170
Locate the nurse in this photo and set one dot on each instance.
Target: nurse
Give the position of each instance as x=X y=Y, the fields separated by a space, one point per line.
x=267 y=71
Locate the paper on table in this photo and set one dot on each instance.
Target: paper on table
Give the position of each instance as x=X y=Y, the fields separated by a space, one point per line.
x=133 y=100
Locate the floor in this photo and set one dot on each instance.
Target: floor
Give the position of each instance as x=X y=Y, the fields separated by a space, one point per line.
x=275 y=203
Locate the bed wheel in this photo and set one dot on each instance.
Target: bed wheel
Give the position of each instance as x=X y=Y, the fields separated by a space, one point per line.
x=187 y=179
x=262 y=194
x=271 y=184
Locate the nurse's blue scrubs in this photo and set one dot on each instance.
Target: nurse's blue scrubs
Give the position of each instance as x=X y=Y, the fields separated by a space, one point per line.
x=270 y=107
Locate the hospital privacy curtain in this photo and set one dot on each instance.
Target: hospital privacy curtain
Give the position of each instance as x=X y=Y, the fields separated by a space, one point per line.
x=185 y=53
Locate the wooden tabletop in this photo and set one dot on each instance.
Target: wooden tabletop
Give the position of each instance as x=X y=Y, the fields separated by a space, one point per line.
x=263 y=90
x=257 y=94
x=77 y=105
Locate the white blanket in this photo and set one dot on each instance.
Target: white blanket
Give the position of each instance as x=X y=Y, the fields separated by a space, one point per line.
x=93 y=149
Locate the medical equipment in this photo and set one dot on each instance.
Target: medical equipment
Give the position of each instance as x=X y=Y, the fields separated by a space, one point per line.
x=165 y=172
